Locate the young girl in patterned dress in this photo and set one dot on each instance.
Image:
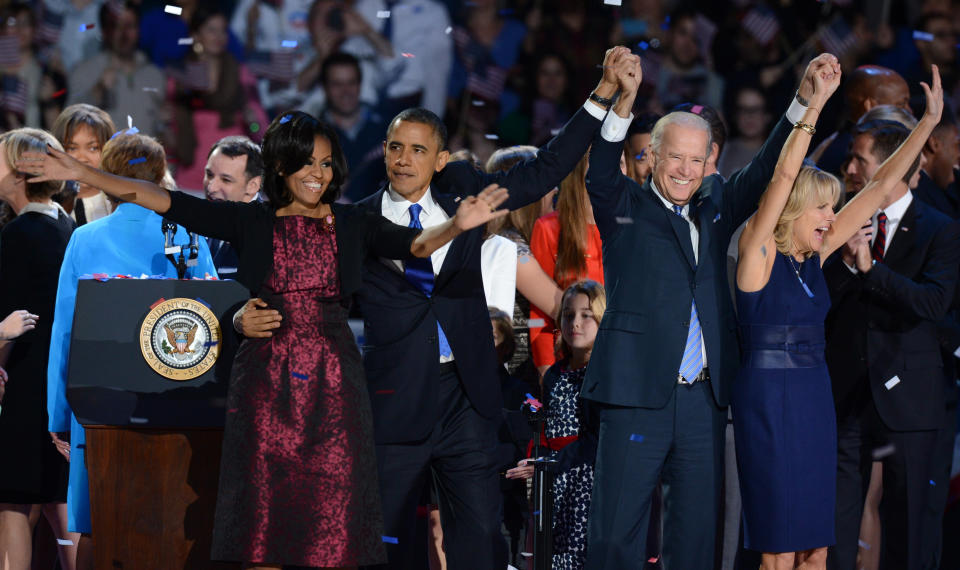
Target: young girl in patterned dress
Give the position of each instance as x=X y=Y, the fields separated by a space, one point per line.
x=571 y=428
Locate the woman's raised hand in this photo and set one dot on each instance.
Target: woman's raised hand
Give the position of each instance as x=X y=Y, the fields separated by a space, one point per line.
x=480 y=209
x=50 y=165
x=934 y=95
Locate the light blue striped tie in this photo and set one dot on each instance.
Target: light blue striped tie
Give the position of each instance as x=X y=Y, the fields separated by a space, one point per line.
x=692 y=362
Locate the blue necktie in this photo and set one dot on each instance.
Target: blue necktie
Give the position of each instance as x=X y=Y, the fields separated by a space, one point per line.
x=692 y=362
x=419 y=271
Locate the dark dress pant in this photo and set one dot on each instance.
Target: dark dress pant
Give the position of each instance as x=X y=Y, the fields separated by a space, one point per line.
x=680 y=445
x=456 y=456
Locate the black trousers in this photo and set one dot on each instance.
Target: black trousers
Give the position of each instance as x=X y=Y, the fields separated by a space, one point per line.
x=907 y=459
x=457 y=457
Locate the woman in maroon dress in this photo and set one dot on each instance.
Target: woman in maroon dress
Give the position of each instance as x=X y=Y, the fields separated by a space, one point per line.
x=298 y=474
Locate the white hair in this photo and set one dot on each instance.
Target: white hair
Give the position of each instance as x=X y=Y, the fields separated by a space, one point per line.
x=679 y=118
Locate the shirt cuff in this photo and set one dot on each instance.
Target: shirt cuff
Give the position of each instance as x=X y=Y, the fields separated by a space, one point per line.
x=796 y=111
x=595 y=111
x=852 y=268
x=615 y=127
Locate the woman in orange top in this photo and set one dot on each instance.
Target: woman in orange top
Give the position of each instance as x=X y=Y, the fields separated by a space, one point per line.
x=566 y=244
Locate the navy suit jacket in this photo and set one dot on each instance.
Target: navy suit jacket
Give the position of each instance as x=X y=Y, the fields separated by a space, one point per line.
x=884 y=324
x=400 y=322
x=651 y=277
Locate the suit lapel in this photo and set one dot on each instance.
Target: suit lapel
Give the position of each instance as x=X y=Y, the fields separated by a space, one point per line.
x=904 y=238
x=679 y=225
x=703 y=217
x=449 y=203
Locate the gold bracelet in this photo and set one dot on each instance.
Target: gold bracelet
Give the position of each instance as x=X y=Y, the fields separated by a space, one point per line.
x=810 y=129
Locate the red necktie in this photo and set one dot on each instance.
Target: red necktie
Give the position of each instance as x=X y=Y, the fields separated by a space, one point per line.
x=880 y=242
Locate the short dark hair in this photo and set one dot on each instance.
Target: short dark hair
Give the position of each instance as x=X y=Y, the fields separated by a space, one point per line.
x=108 y=12
x=642 y=124
x=83 y=115
x=423 y=116
x=504 y=325
x=203 y=13
x=718 y=131
x=887 y=138
x=288 y=146
x=339 y=58
x=238 y=145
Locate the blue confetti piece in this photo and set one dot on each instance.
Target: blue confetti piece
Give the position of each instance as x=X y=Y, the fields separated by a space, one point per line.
x=642 y=152
x=636 y=437
x=204 y=303
x=932 y=483
x=285 y=119
x=137 y=160
x=644 y=46
x=922 y=36
x=298 y=375
x=390 y=539
x=530 y=396
x=288 y=43
x=535 y=513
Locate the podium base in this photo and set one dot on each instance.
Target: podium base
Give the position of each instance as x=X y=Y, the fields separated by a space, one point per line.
x=152 y=497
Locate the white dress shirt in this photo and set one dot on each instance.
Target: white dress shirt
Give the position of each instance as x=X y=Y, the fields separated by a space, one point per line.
x=894 y=214
x=498 y=267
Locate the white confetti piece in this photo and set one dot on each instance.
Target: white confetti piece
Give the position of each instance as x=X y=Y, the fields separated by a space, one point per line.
x=175 y=10
x=152 y=89
x=185 y=42
x=884 y=451
x=383 y=14
x=491 y=137
x=613 y=2
x=536 y=323
x=526 y=554
x=892 y=382
x=624 y=220
x=136 y=420
x=448 y=30
x=554 y=132
x=957 y=352
x=64 y=542
x=478 y=103
x=864 y=545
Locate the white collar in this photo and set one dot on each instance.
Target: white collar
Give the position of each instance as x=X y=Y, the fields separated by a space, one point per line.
x=667 y=203
x=52 y=209
x=896 y=210
x=398 y=205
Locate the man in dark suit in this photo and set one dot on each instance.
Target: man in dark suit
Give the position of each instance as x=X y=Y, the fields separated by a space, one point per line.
x=883 y=352
x=669 y=315
x=430 y=359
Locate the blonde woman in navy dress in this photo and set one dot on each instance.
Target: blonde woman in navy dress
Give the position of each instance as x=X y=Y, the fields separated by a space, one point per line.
x=783 y=410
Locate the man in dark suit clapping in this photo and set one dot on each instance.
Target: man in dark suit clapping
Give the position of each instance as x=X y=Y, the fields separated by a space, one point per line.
x=669 y=317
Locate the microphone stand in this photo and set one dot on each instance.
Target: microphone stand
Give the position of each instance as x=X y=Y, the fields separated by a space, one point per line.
x=542 y=489
x=170 y=249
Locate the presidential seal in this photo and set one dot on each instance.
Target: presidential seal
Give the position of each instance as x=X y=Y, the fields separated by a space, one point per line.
x=180 y=338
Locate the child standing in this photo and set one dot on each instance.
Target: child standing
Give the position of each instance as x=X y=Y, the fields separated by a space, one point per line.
x=570 y=427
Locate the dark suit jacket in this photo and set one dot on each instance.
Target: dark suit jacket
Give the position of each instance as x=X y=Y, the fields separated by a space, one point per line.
x=400 y=321
x=651 y=277
x=884 y=323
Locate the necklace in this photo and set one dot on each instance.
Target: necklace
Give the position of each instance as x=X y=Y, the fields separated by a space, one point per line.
x=796 y=271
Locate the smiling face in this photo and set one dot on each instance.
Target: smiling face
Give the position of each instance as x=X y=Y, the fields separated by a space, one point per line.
x=225 y=178
x=308 y=184
x=578 y=324
x=412 y=155
x=813 y=223
x=212 y=35
x=679 y=162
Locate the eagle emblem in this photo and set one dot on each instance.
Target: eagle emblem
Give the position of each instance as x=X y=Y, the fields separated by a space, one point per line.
x=181 y=340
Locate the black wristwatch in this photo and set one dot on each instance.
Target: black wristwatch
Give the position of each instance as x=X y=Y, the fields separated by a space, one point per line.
x=602 y=101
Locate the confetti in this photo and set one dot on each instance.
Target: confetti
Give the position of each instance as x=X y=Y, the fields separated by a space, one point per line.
x=624 y=220
x=613 y=2
x=137 y=160
x=58 y=93
x=640 y=156
x=390 y=539
x=288 y=43
x=526 y=554
x=643 y=45
x=654 y=43
x=922 y=36
x=535 y=513
x=407 y=55
x=185 y=41
x=885 y=451
x=85 y=27
x=653 y=559
x=892 y=382
x=152 y=89
x=636 y=437
x=285 y=119
x=175 y=10
x=448 y=30
x=932 y=483
x=524 y=259
x=536 y=323
x=383 y=14
x=696 y=109
x=864 y=545
x=957 y=352
x=716 y=218
x=64 y=542
x=478 y=103
x=298 y=375
x=491 y=137
x=136 y=420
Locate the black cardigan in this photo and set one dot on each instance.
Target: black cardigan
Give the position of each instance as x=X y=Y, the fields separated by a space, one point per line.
x=248 y=226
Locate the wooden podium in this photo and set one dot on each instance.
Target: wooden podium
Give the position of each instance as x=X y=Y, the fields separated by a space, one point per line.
x=153 y=443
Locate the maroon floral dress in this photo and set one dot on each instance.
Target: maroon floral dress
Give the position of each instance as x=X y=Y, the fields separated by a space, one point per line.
x=298 y=477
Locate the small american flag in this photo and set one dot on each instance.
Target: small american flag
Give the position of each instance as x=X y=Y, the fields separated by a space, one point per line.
x=13 y=94
x=48 y=29
x=274 y=65
x=487 y=82
x=837 y=37
x=10 y=51
x=761 y=24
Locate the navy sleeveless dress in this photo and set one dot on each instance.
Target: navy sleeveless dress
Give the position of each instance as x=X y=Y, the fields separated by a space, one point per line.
x=783 y=415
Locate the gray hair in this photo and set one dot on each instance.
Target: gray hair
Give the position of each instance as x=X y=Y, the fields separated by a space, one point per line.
x=683 y=118
x=889 y=113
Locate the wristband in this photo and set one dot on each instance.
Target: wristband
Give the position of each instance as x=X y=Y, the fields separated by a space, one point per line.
x=801 y=100
x=602 y=101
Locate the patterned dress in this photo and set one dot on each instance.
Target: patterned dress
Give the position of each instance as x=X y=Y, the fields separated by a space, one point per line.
x=298 y=478
x=571 y=488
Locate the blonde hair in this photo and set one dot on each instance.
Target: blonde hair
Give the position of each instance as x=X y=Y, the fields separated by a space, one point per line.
x=19 y=141
x=597 y=298
x=812 y=186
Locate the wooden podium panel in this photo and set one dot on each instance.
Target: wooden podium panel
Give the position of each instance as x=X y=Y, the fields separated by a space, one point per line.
x=167 y=480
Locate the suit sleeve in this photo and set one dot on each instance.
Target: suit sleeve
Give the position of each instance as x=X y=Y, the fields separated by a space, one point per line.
x=543 y=246
x=743 y=190
x=387 y=239
x=220 y=220
x=607 y=186
x=928 y=296
x=58 y=410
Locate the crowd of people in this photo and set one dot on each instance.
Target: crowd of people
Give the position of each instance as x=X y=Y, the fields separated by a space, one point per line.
x=742 y=322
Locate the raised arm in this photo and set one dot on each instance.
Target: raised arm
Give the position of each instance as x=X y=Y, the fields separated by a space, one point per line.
x=757 y=245
x=58 y=165
x=890 y=173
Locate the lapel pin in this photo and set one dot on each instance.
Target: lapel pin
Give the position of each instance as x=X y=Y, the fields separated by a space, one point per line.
x=716 y=218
